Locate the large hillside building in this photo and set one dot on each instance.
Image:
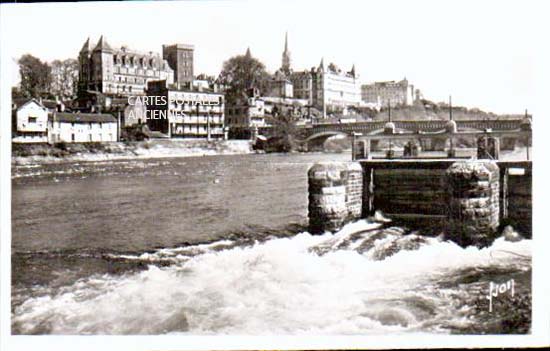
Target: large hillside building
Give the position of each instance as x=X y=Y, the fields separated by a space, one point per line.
x=121 y=71
x=327 y=89
x=391 y=93
x=334 y=90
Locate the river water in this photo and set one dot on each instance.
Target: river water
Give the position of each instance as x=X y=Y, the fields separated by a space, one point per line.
x=219 y=245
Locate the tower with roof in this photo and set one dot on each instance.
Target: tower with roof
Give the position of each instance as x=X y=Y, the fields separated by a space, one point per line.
x=84 y=66
x=102 y=64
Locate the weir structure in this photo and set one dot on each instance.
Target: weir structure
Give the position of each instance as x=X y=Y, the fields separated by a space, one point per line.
x=470 y=198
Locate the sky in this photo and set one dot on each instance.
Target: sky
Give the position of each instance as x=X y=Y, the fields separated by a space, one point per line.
x=482 y=53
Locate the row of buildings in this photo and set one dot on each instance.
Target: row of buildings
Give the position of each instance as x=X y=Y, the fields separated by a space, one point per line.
x=109 y=76
x=36 y=121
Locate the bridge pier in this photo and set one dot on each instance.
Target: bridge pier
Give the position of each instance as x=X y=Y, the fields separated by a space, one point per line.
x=360 y=149
x=411 y=149
x=508 y=144
x=433 y=144
x=488 y=147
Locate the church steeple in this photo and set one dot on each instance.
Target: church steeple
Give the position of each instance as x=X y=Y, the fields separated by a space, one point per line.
x=322 y=64
x=285 y=66
x=248 y=54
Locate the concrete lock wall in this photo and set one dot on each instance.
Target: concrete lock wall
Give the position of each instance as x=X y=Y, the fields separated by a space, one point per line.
x=519 y=199
x=408 y=191
x=472 y=202
x=335 y=195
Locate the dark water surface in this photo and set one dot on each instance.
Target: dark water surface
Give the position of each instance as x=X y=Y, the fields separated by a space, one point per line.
x=218 y=244
x=143 y=204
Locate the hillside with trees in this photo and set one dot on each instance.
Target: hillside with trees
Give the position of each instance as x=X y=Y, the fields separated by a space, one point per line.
x=428 y=110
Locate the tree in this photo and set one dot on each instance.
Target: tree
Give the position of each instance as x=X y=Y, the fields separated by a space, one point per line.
x=241 y=73
x=64 y=78
x=16 y=93
x=206 y=77
x=35 y=76
x=285 y=134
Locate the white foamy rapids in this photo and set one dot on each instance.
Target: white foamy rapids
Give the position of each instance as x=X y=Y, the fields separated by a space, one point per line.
x=177 y=255
x=281 y=286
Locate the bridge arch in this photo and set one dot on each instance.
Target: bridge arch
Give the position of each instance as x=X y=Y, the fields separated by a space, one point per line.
x=325 y=135
x=317 y=140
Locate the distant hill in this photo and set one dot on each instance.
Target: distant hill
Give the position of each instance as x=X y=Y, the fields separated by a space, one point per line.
x=427 y=110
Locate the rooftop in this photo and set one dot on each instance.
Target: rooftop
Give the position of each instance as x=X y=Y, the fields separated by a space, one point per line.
x=181 y=46
x=83 y=117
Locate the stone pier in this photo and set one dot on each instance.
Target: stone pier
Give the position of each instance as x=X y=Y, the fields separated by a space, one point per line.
x=472 y=202
x=335 y=195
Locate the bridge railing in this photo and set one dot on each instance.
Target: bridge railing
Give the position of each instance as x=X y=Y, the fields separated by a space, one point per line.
x=424 y=125
x=487 y=143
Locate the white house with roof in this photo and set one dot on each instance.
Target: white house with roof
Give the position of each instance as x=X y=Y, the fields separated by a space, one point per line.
x=82 y=127
x=30 y=121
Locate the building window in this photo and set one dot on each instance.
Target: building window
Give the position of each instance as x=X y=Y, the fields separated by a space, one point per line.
x=33 y=119
x=90 y=137
x=72 y=137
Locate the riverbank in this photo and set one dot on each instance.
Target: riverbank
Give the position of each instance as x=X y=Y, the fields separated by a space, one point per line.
x=23 y=154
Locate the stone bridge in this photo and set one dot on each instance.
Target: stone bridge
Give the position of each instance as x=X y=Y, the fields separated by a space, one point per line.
x=315 y=135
